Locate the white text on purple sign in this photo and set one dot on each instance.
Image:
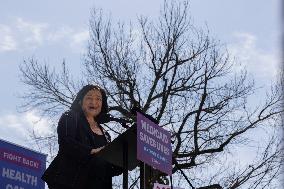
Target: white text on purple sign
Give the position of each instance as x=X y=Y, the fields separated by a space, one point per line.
x=154 y=134
x=19 y=159
x=156 y=155
x=19 y=176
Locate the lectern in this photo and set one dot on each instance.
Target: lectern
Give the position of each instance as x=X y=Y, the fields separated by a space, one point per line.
x=152 y=148
x=122 y=152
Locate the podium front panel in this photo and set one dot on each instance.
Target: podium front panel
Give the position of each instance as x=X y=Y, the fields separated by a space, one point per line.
x=113 y=152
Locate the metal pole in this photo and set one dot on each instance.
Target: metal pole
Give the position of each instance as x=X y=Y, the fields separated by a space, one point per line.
x=142 y=175
x=125 y=165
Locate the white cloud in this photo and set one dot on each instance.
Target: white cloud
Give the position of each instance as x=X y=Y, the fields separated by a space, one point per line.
x=40 y=125
x=80 y=37
x=59 y=34
x=263 y=64
x=33 y=32
x=7 y=41
x=78 y=40
x=21 y=35
x=16 y=128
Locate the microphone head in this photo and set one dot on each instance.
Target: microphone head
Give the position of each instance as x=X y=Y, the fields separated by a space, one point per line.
x=105 y=118
x=135 y=109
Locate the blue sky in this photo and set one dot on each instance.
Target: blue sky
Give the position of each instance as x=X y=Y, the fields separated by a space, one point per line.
x=55 y=30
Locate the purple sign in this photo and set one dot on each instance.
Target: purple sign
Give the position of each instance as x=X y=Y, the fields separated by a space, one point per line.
x=153 y=145
x=20 y=168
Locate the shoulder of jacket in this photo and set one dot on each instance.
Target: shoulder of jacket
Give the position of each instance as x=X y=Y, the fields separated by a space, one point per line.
x=68 y=118
x=69 y=113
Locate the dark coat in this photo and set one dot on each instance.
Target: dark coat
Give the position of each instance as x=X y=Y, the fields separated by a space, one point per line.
x=74 y=166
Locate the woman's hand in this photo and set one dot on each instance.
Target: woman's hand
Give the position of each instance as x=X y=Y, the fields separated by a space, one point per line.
x=96 y=150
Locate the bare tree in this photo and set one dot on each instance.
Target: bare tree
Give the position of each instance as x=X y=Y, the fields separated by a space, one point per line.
x=186 y=80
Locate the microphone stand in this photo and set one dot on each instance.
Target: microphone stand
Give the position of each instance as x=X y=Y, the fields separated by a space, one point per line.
x=122 y=122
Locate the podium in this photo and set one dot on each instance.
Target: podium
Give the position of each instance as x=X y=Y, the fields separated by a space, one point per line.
x=124 y=144
x=122 y=152
x=127 y=151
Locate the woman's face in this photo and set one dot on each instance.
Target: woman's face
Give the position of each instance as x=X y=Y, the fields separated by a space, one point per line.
x=92 y=103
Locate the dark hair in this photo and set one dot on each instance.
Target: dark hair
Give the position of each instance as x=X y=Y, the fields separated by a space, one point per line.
x=77 y=103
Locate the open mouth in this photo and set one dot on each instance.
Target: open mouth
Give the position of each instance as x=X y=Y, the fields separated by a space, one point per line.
x=91 y=108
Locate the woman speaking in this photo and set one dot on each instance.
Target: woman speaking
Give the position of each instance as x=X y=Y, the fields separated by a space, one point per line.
x=80 y=137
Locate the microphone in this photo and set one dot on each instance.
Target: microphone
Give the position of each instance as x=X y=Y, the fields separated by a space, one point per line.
x=137 y=109
x=108 y=118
